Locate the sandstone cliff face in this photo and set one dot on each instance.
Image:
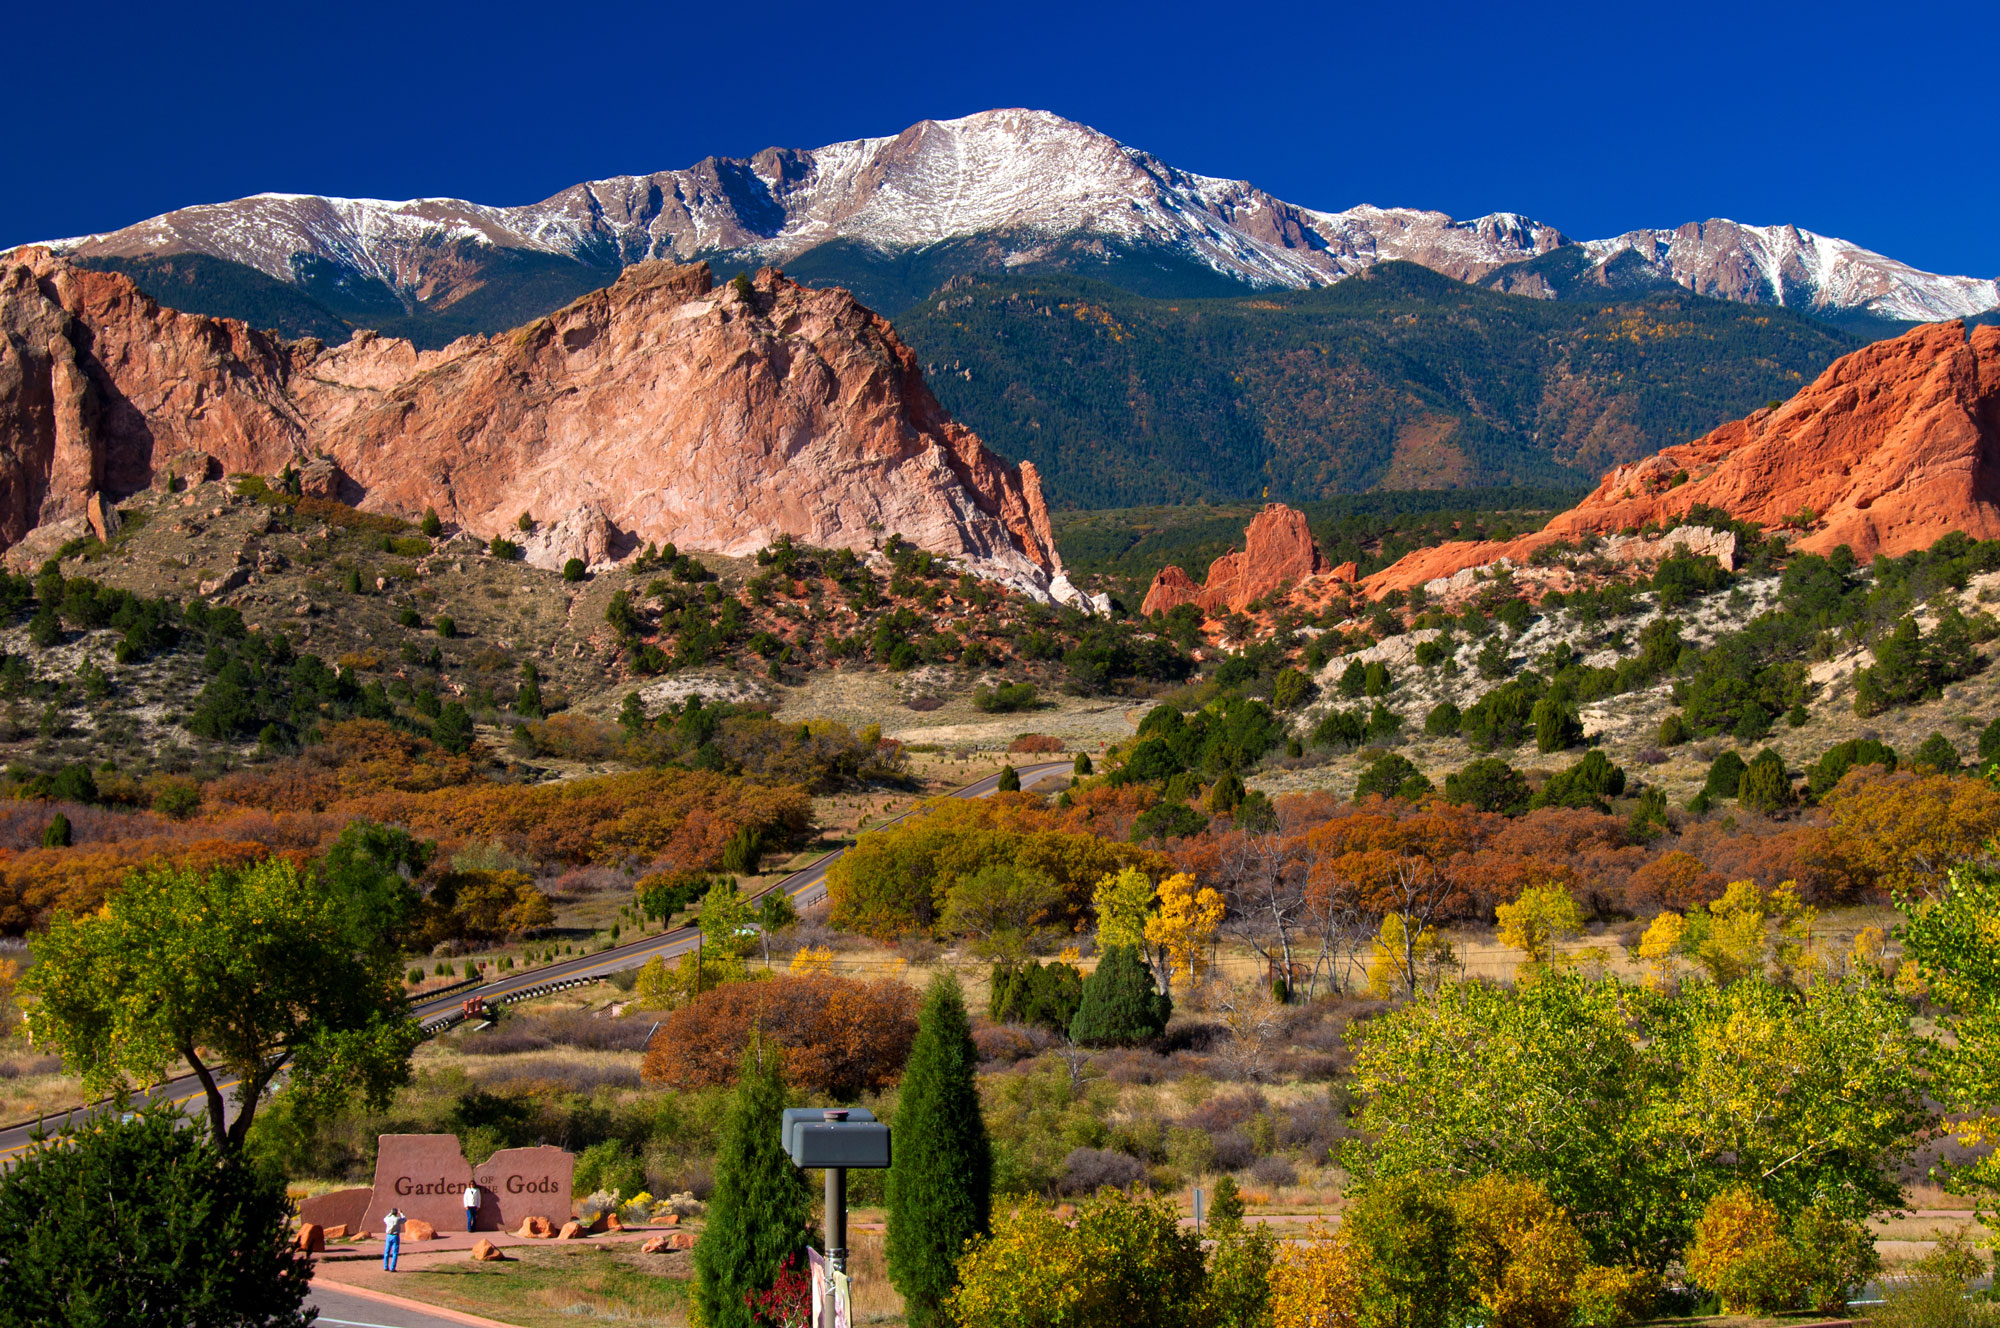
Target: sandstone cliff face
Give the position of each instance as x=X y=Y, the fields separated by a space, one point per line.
x=658 y=409
x=1893 y=446
x=1278 y=548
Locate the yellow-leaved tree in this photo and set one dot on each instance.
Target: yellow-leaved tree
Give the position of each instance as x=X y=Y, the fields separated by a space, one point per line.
x=1539 y=919
x=1521 y=1250
x=1395 y=964
x=1184 y=928
x=1317 y=1282
x=1660 y=950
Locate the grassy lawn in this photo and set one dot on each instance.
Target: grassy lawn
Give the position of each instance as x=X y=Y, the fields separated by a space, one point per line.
x=558 y=1286
x=554 y=1286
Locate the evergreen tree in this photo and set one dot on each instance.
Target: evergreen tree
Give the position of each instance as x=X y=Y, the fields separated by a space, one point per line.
x=1010 y=779
x=1556 y=726
x=1119 y=1003
x=1938 y=752
x=758 y=1214
x=1724 y=774
x=57 y=835
x=453 y=730
x=1764 y=785
x=1225 y=1209
x=1227 y=793
x=528 y=700
x=940 y=1186
x=1083 y=766
x=143 y=1220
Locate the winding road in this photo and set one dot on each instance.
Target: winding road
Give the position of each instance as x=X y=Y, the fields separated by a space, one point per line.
x=806 y=887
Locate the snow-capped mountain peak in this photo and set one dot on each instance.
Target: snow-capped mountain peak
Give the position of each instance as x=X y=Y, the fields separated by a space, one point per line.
x=1023 y=176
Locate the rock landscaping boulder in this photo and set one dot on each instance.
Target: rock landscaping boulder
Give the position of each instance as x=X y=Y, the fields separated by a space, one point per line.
x=485 y=1251
x=416 y=1228
x=311 y=1238
x=570 y=1231
x=535 y=1228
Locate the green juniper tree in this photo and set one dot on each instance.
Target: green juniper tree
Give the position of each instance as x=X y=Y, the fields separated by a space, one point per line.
x=1119 y=1003
x=758 y=1214
x=143 y=1220
x=940 y=1184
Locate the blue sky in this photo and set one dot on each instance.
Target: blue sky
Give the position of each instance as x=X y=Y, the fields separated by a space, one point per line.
x=1874 y=123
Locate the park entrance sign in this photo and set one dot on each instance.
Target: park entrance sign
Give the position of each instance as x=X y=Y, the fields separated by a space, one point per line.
x=425 y=1175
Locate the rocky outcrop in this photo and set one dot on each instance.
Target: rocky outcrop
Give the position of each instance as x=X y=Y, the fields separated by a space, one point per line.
x=659 y=409
x=1278 y=549
x=1893 y=446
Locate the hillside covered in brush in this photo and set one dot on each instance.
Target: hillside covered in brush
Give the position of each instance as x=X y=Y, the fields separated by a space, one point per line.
x=1397 y=378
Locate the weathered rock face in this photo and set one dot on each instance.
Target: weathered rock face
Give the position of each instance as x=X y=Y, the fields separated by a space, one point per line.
x=658 y=409
x=1278 y=548
x=1893 y=446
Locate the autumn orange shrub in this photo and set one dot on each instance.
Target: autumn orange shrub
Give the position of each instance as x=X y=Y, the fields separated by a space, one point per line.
x=35 y=882
x=356 y=758
x=685 y=816
x=840 y=1036
x=1907 y=831
x=1035 y=742
x=1678 y=881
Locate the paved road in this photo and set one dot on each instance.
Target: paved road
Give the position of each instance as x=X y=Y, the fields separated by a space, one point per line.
x=343 y=1309
x=806 y=887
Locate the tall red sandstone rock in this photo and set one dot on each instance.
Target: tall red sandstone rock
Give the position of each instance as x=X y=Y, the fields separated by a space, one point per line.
x=1278 y=548
x=658 y=409
x=1891 y=447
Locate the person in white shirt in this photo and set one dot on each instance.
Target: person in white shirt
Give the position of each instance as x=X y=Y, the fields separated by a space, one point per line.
x=392 y=1239
x=471 y=1204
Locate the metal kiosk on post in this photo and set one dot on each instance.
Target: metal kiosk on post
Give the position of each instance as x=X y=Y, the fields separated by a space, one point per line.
x=835 y=1139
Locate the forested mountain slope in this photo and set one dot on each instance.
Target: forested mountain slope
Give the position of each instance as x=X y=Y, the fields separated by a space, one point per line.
x=1396 y=378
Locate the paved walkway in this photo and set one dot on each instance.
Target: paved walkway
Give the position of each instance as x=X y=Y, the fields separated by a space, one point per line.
x=360 y=1307
x=456 y=1245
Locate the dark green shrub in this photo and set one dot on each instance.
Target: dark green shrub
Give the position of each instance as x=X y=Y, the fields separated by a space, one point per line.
x=1939 y=754
x=1764 y=786
x=1724 y=774
x=1588 y=783
x=1557 y=727
x=573 y=570
x=177 y=1232
x=1392 y=776
x=1824 y=773
x=1490 y=785
x=1119 y=1005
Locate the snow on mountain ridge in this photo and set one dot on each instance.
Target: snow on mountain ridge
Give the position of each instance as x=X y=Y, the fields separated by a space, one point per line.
x=996 y=173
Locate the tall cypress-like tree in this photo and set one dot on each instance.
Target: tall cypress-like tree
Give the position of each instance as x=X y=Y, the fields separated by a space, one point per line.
x=758 y=1214
x=1119 y=1003
x=941 y=1180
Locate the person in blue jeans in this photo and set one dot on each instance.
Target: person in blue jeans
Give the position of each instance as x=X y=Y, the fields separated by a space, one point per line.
x=392 y=1239
x=471 y=1204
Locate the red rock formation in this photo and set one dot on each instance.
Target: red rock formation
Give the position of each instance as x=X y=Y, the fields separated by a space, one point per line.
x=1893 y=446
x=657 y=409
x=1278 y=548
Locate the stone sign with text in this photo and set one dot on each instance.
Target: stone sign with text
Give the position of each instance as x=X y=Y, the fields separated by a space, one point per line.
x=425 y=1175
